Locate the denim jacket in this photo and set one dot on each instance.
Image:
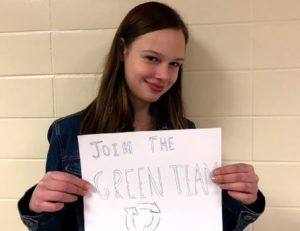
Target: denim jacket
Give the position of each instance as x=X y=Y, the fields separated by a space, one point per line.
x=63 y=155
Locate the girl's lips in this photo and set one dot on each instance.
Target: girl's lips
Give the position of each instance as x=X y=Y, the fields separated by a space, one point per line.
x=155 y=87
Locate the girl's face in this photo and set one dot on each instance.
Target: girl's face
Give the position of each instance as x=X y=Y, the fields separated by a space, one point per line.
x=152 y=63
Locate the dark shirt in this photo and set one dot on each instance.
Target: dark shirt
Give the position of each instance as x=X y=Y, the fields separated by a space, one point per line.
x=63 y=155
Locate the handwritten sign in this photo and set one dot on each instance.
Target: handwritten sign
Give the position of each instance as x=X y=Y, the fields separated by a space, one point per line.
x=154 y=180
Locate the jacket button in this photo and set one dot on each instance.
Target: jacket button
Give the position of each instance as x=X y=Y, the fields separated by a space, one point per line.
x=248 y=218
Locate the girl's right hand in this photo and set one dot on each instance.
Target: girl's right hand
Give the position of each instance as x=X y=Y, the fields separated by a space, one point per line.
x=55 y=189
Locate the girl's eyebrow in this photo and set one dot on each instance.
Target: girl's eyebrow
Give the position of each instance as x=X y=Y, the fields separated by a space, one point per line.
x=159 y=54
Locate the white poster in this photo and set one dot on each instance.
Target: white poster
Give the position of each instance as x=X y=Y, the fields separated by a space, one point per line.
x=154 y=180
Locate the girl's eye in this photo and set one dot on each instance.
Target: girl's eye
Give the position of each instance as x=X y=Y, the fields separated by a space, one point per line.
x=175 y=64
x=152 y=58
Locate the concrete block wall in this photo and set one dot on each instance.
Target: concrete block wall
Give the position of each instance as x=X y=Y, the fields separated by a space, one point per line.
x=242 y=73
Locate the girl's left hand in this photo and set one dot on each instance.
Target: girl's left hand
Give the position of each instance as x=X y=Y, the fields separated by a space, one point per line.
x=240 y=180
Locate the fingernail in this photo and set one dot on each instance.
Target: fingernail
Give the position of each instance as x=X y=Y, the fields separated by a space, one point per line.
x=216 y=172
x=86 y=191
x=86 y=188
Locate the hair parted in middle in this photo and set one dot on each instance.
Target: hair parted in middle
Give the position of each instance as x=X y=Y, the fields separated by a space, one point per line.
x=112 y=109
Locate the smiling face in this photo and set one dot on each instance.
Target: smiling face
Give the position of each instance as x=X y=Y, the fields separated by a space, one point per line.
x=152 y=64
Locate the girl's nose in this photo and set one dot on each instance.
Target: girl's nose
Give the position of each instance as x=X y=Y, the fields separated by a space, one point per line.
x=162 y=72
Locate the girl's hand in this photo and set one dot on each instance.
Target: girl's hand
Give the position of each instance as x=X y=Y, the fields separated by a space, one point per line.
x=55 y=189
x=239 y=180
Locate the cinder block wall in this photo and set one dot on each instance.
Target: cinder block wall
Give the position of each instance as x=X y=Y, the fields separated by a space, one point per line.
x=242 y=73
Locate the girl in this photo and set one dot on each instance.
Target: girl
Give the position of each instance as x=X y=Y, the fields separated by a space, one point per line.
x=140 y=90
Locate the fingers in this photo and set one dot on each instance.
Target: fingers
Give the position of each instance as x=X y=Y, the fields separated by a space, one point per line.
x=51 y=206
x=233 y=168
x=58 y=196
x=240 y=180
x=235 y=173
x=55 y=189
x=49 y=201
x=236 y=177
x=240 y=187
x=65 y=182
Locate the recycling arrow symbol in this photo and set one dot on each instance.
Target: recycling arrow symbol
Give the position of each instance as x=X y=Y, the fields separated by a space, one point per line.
x=142 y=217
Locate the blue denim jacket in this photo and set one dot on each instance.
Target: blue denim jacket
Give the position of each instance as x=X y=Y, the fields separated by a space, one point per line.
x=63 y=155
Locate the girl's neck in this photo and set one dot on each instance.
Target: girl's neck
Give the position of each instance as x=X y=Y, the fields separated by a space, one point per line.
x=143 y=121
x=145 y=125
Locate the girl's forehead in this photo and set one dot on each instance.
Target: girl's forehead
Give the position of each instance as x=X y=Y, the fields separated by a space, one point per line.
x=166 y=41
x=162 y=36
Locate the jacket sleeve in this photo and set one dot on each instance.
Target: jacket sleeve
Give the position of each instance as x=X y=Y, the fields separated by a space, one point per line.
x=237 y=216
x=43 y=221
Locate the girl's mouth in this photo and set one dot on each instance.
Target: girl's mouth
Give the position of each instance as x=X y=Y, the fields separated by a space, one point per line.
x=155 y=87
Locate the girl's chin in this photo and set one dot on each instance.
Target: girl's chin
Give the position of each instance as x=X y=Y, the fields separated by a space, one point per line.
x=153 y=98
x=148 y=98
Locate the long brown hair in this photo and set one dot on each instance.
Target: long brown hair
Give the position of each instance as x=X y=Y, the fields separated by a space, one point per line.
x=112 y=109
